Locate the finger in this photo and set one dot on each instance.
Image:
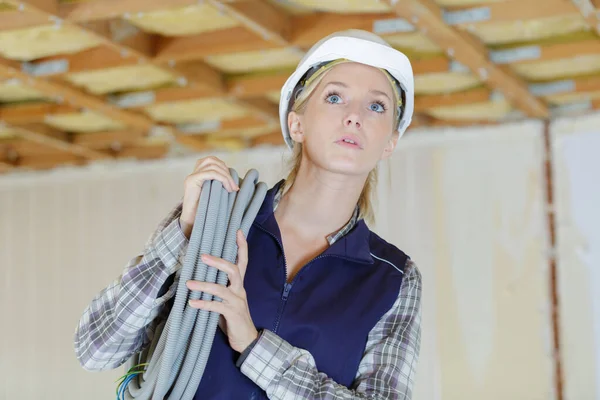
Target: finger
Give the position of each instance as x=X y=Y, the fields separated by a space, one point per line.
x=212 y=288
x=212 y=161
x=211 y=174
x=232 y=271
x=215 y=306
x=242 y=254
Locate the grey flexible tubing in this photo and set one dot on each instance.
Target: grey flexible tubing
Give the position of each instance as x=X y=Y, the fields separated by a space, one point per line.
x=179 y=350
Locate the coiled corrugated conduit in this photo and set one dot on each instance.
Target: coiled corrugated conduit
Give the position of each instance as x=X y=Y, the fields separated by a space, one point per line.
x=177 y=356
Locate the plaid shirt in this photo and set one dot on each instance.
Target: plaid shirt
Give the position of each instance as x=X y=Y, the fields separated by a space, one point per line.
x=122 y=319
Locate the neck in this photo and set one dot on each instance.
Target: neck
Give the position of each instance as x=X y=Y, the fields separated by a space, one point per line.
x=319 y=202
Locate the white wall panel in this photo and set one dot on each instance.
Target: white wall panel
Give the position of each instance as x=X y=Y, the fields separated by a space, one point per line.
x=468 y=206
x=577 y=202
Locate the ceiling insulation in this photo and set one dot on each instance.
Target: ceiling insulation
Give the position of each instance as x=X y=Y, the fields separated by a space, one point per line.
x=189 y=20
x=82 y=122
x=196 y=111
x=486 y=111
x=445 y=82
x=42 y=41
x=12 y=90
x=118 y=79
x=528 y=30
x=557 y=69
x=256 y=60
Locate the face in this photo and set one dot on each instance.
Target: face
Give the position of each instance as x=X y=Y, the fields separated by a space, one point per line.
x=348 y=123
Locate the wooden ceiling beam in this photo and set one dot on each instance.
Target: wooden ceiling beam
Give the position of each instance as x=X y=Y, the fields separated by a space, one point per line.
x=195 y=47
x=80 y=151
x=107 y=9
x=97 y=58
x=26 y=113
x=271 y=139
x=472 y=96
x=73 y=97
x=265 y=20
x=6 y=167
x=49 y=161
x=588 y=11
x=128 y=40
x=507 y=11
x=13 y=20
x=107 y=139
x=428 y=17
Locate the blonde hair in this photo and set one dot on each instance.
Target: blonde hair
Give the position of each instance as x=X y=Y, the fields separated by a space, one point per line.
x=367 y=196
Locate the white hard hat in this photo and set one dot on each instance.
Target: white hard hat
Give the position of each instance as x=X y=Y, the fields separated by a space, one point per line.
x=358 y=46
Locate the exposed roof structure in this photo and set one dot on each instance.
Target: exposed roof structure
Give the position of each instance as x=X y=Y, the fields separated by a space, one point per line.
x=98 y=79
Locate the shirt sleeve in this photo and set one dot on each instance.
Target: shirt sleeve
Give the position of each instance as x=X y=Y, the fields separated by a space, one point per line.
x=386 y=370
x=122 y=318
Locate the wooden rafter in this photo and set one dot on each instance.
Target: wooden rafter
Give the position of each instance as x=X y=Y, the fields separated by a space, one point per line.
x=139 y=46
x=259 y=17
x=588 y=11
x=428 y=17
x=73 y=97
x=75 y=149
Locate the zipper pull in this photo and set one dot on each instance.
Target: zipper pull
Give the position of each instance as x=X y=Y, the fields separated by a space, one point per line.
x=286 y=291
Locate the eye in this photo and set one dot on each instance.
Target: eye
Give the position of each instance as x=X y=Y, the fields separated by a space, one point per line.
x=333 y=98
x=377 y=107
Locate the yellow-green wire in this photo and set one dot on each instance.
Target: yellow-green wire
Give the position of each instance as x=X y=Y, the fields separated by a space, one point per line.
x=130 y=372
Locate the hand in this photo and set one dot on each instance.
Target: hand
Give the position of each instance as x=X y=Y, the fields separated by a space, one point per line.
x=208 y=168
x=239 y=327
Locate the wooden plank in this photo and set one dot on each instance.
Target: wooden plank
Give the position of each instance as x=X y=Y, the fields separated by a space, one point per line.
x=270 y=139
x=67 y=147
x=430 y=65
x=255 y=86
x=20 y=114
x=564 y=51
x=453 y=99
x=13 y=20
x=106 y=9
x=428 y=17
x=6 y=167
x=262 y=107
x=100 y=57
x=74 y=97
x=310 y=28
x=42 y=162
x=587 y=9
x=196 y=47
x=164 y=95
x=99 y=140
x=126 y=39
x=49 y=6
x=143 y=152
x=519 y=10
x=260 y=17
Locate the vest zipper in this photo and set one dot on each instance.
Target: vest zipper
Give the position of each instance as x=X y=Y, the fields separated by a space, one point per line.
x=287 y=287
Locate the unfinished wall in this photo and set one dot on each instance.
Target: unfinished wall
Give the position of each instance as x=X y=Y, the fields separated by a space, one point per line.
x=577 y=192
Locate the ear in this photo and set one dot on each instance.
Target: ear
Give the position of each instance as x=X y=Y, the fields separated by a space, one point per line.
x=390 y=146
x=295 y=127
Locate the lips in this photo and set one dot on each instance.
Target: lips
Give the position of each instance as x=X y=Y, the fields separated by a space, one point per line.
x=350 y=141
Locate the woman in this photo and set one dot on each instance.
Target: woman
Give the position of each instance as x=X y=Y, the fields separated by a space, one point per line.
x=318 y=306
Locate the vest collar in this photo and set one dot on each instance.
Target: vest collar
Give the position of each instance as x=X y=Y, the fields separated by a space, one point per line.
x=353 y=246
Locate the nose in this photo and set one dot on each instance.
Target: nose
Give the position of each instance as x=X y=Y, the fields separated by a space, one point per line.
x=352 y=120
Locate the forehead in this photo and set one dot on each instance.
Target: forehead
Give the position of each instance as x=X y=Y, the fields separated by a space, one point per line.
x=352 y=73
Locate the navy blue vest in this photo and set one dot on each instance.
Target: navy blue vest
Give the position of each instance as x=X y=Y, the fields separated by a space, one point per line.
x=328 y=309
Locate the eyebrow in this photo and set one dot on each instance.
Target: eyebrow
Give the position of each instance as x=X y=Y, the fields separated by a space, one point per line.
x=374 y=91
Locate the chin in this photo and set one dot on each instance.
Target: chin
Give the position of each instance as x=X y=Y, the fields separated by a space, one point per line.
x=348 y=166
